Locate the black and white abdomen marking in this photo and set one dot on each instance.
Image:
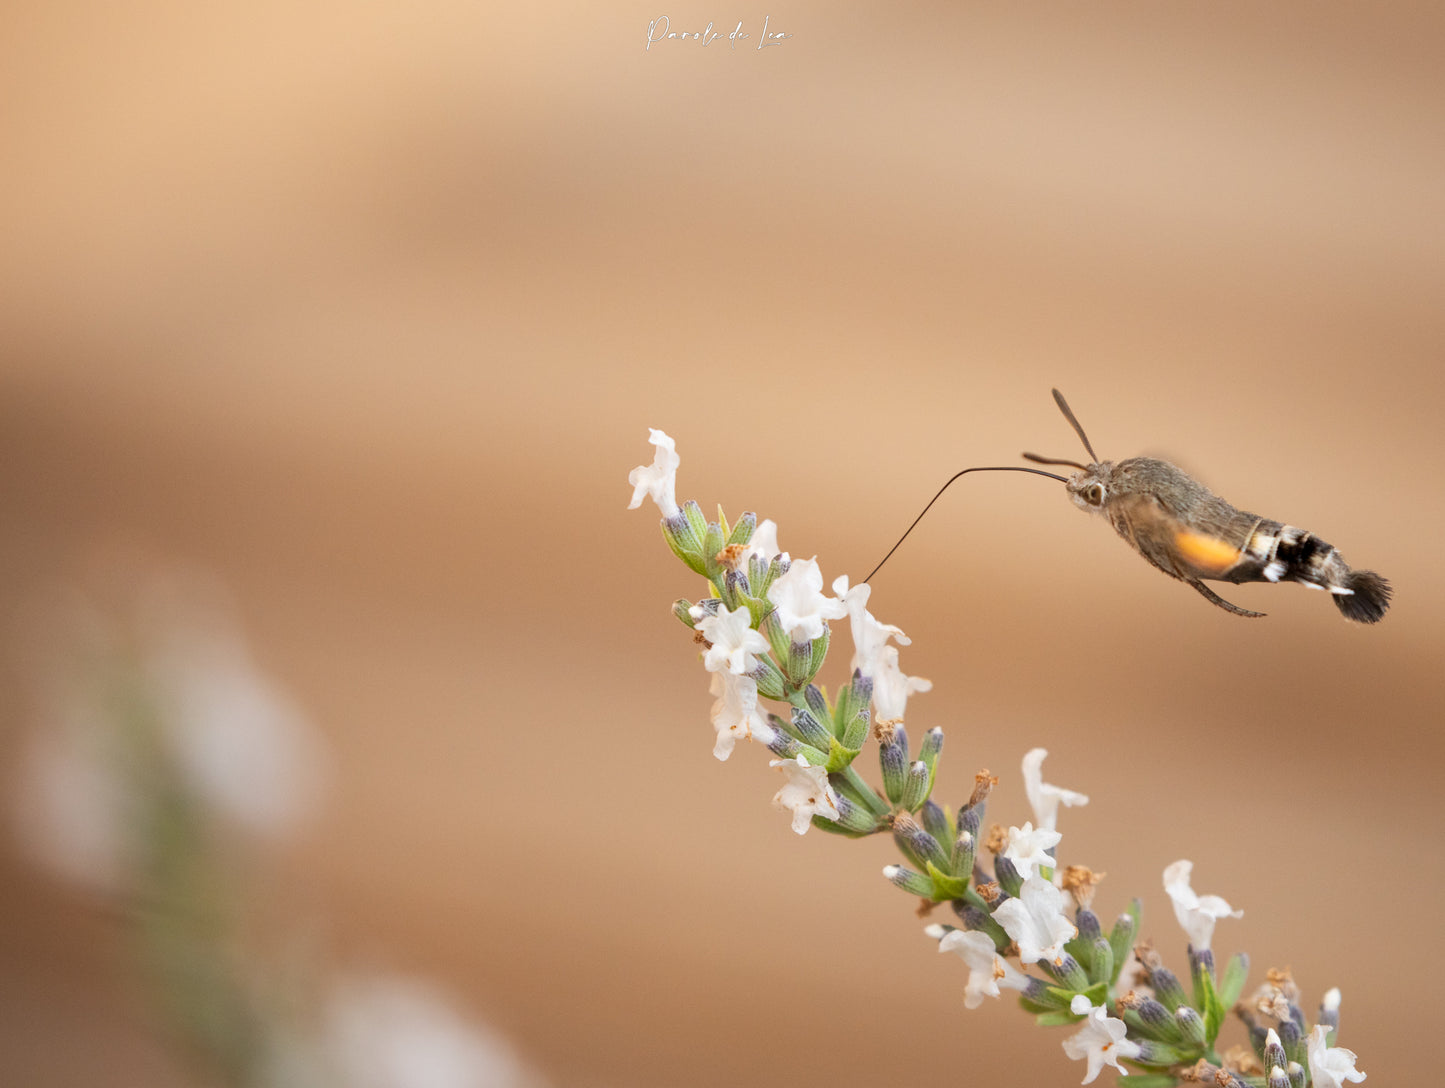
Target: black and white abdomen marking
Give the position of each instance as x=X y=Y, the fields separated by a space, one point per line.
x=1287 y=552
x=1276 y=553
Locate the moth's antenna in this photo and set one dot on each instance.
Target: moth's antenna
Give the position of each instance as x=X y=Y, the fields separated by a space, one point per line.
x=941 y=490
x=1052 y=461
x=1069 y=415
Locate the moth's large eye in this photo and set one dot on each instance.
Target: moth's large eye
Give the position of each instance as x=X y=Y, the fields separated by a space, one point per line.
x=1094 y=494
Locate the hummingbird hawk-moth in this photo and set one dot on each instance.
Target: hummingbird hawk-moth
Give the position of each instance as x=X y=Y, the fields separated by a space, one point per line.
x=1190 y=533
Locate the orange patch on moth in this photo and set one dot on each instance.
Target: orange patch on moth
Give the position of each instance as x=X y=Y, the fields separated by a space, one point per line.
x=1206 y=552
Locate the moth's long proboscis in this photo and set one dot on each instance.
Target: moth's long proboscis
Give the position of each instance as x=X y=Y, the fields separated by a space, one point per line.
x=941 y=490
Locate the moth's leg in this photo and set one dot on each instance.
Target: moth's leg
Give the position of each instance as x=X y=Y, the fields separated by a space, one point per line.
x=1209 y=595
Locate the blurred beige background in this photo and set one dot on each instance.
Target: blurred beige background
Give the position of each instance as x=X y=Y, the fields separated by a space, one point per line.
x=367 y=309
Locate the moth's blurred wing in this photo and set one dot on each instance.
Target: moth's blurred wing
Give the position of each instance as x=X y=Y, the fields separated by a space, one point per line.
x=1181 y=551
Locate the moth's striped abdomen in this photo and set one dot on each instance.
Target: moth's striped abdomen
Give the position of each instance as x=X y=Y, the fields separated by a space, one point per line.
x=1279 y=553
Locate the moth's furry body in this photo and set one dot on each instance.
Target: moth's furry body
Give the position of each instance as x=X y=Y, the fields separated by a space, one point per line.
x=1190 y=533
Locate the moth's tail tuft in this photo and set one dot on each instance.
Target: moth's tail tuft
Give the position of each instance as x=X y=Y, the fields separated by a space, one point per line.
x=1369 y=599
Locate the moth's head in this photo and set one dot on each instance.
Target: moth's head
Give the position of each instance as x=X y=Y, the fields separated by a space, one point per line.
x=1090 y=486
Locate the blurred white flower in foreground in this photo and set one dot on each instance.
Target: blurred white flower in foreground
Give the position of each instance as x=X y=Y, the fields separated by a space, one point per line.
x=167 y=697
x=242 y=744
x=72 y=805
x=382 y=1032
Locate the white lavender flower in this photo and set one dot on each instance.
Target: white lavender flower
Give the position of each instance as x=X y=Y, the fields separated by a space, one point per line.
x=735 y=714
x=1330 y=1066
x=1196 y=913
x=891 y=688
x=1036 y=922
x=764 y=544
x=1028 y=848
x=1100 y=1041
x=734 y=642
x=1044 y=798
x=806 y=794
x=801 y=605
x=869 y=635
x=658 y=480
x=987 y=970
